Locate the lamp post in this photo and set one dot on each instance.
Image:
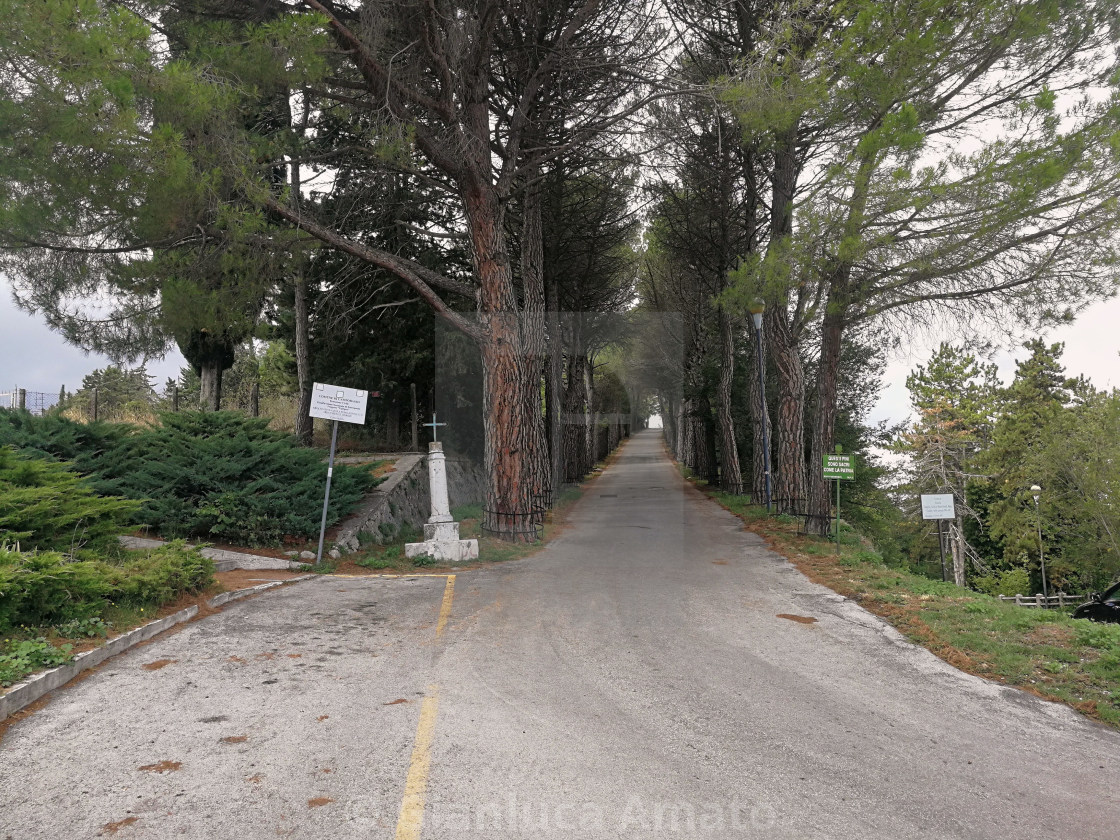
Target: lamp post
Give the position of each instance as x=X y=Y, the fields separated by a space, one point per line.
x=757 y=307
x=1035 y=491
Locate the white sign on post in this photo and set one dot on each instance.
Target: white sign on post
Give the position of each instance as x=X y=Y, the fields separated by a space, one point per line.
x=938 y=506
x=333 y=402
x=345 y=405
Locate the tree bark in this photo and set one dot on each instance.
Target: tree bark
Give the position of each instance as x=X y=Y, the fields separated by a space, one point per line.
x=760 y=413
x=790 y=490
x=533 y=342
x=820 y=500
x=731 y=474
x=708 y=466
x=508 y=502
x=957 y=543
x=837 y=279
x=210 y=372
x=575 y=418
x=554 y=392
x=304 y=425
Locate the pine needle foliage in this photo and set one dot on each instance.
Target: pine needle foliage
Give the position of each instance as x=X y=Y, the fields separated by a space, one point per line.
x=54 y=436
x=45 y=505
x=211 y=475
x=46 y=588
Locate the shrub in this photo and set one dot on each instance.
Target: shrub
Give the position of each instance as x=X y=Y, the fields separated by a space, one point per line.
x=201 y=474
x=46 y=506
x=1010 y=582
x=163 y=575
x=54 y=437
x=45 y=588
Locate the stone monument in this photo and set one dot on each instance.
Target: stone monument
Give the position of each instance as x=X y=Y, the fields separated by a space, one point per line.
x=441 y=533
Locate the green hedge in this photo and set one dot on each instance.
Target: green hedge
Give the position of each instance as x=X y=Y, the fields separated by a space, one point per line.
x=212 y=475
x=46 y=588
x=46 y=506
x=54 y=437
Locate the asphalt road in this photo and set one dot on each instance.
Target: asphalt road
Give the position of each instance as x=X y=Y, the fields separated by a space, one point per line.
x=633 y=680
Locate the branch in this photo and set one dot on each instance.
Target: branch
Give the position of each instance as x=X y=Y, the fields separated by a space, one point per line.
x=417 y=277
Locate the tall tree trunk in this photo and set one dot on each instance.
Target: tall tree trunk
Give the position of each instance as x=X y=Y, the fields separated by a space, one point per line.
x=731 y=474
x=575 y=418
x=393 y=426
x=684 y=431
x=838 y=281
x=591 y=419
x=210 y=372
x=760 y=414
x=533 y=343
x=708 y=466
x=554 y=386
x=669 y=424
x=508 y=510
x=790 y=490
x=789 y=485
x=956 y=542
x=820 y=500
x=508 y=498
x=304 y=426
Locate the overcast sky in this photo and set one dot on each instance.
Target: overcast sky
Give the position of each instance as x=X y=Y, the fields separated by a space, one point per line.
x=33 y=357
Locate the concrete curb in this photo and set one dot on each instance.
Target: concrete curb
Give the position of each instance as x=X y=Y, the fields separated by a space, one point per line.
x=238 y=594
x=224 y=561
x=35 y=686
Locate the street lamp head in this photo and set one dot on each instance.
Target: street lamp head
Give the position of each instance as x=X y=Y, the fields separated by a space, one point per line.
x=756 y=308
x=1035 y=491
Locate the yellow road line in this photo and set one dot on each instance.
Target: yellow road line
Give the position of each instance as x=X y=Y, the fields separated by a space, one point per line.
x=445 y=608
x=411 y=818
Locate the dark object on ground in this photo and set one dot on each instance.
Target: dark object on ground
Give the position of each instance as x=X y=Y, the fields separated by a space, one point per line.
x=1100 y=607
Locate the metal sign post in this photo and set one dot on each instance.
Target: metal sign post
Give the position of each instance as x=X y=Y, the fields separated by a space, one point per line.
x=332 y=402
x=941 y=549
x=839 y=468
x=939 y=506
x=327 y=495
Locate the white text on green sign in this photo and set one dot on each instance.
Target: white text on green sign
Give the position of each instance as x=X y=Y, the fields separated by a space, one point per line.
x=841 y=467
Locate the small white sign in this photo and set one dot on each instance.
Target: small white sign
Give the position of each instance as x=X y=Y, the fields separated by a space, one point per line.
x=333 y=402
x=938 y=506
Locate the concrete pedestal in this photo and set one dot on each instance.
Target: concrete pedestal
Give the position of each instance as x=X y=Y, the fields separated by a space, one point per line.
x=441 y=533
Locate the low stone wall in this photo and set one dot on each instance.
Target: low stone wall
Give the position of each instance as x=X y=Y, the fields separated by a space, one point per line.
x=404 y=499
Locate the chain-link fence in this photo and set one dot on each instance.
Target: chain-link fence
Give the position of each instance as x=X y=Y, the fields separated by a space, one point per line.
x=37 y=402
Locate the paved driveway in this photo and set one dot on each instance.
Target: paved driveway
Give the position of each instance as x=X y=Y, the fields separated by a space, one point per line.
x=633 y=680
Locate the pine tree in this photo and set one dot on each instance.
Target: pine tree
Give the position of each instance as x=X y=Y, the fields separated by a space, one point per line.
x=1030 y=409
x=954 y=398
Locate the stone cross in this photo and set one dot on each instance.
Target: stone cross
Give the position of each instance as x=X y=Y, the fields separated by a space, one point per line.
x=441 y=532
x=434 y=424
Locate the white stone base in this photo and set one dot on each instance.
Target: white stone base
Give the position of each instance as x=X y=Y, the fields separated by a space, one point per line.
x=441 y=532
x=447 y=551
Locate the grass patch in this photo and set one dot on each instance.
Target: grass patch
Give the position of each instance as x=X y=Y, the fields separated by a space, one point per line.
x=1045 y=652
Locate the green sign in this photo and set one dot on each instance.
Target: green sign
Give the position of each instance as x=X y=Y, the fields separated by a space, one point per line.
x=840 y=467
